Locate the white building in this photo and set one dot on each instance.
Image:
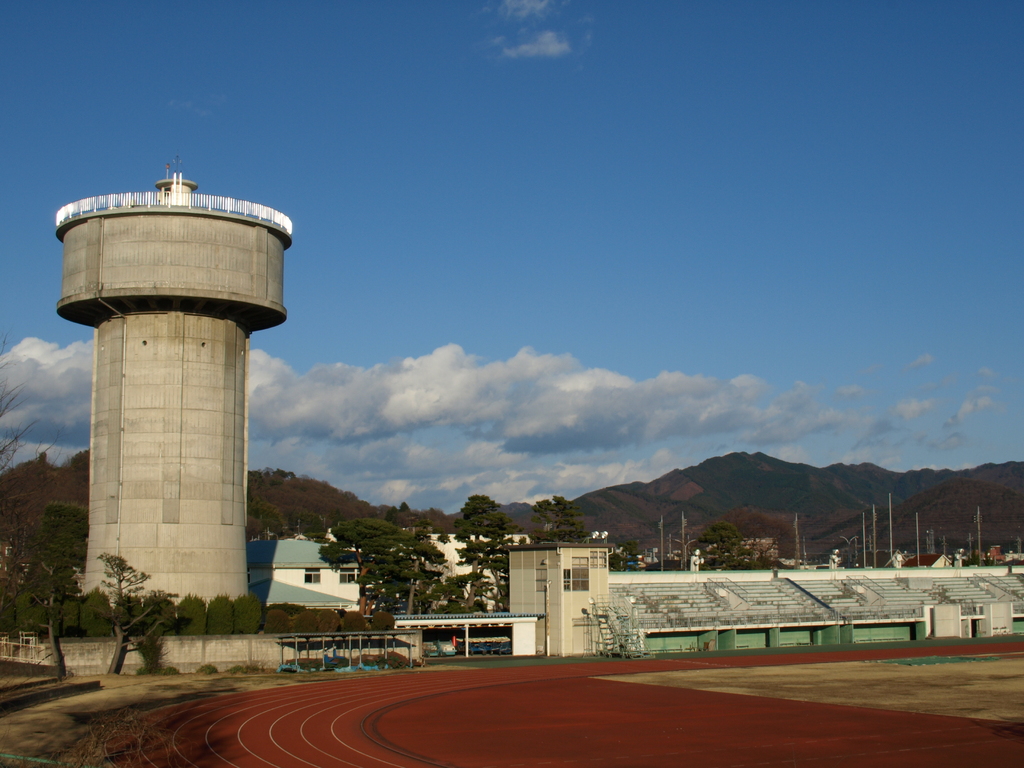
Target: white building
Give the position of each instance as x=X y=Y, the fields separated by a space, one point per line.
x=292 y=571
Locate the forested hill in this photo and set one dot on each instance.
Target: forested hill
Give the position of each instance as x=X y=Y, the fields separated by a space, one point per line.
x=280 y=502
x=753 y=487
x=829 y=500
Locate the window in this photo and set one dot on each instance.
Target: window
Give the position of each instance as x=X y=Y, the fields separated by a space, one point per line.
x=577 y=578
x=312 y=575
x=598 y=558
x=346 y=577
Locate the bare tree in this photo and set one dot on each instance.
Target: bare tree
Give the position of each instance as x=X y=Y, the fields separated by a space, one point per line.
x=17 y=521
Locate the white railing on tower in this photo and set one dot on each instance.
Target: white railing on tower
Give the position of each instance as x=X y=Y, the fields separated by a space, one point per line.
x=160 y=199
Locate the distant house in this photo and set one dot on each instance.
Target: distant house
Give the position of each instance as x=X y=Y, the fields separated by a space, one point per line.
x=928 y=561
x=292 y=571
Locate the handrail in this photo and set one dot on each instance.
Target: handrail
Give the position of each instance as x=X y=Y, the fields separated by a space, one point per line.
x=217 y=203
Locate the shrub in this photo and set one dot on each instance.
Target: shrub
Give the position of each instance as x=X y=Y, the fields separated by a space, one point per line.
x=327 y=620
x=277 y=622
x=248 y=612
x=245 y=669
x=220 y=616
x=390 y=660
x=31 y=616
x=168 y=671
x=305 y=622
x=382 y=620
x=291 y=609
x=207 y=669
x=71 y=616
x=151 y=649
x=94 y=608
x=192 y=616
x=353 y=621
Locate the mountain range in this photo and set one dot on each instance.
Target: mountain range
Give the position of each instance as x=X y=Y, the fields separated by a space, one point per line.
x=828 y=502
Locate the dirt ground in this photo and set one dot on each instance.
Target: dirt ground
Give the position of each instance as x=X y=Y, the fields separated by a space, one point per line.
x=991 y=690
x=982 y=689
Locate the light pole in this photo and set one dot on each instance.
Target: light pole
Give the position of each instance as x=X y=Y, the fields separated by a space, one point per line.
x=854 y=540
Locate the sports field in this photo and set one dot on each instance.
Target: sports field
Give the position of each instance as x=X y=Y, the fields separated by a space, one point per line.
x=841 y=708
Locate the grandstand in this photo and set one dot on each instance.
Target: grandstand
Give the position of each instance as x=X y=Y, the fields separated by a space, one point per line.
x=683 y=611
x=589 y=610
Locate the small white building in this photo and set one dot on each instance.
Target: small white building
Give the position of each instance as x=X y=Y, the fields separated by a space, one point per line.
x=292 y=571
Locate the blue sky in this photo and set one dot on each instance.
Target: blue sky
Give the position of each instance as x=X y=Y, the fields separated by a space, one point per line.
x=542 y=247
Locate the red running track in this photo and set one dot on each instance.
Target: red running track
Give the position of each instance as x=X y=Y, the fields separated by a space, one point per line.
x=561 y=715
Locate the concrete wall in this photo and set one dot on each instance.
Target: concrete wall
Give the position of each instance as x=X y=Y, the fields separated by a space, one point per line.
x=91 y=656
x=178 y=381
x=122 y=257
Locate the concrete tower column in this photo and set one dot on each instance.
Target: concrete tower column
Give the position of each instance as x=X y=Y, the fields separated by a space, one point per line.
x=173 y=283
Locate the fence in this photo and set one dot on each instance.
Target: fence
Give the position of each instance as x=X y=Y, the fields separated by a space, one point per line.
x=216 y=203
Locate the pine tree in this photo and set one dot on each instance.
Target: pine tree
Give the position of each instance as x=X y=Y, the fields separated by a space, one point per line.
x=485 y=532
x=559 y=520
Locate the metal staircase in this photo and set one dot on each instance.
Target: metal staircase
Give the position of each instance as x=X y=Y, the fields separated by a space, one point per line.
x=617 y=629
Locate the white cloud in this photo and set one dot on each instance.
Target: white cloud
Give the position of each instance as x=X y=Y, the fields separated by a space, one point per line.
x=521 y=9
x=546 y=44
x=530 y=404
x=56 y=385
x=850 y=392
x=435 y=428
x=921 y=362
x=792 y=453
x=976 y=401
x=948 y=443
x=911 y=408
x=987 y=373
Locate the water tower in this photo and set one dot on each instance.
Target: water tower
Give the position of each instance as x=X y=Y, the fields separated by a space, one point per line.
x=173 y=283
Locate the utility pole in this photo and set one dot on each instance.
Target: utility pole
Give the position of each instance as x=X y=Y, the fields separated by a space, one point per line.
x=977 y=519
x=682 y=543
x=796 y=536
x=661 y=552
x=864 y=541
x=917 y=534
x=890 y=527
x=874 y=537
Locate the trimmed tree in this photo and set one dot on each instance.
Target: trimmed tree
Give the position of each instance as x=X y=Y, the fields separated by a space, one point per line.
x=95 y=610
x=305 y=622
x=353 y=621
x=247 y=614
x=327 y=620
x=220 y=616
x=278 y=622
x=192 y=615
